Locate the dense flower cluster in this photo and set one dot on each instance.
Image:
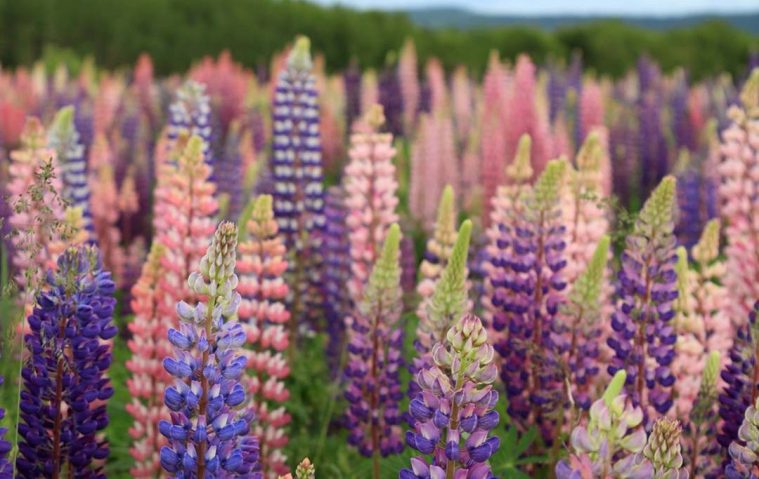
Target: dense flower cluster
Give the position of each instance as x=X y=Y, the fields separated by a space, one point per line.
x=454 y=413
x=64 y=383
x=6 y=469
x=374 y=358
x=208 y=434
x=261 y=266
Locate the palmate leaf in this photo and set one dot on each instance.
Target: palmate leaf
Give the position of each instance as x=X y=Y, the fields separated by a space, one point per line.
x=513 y=453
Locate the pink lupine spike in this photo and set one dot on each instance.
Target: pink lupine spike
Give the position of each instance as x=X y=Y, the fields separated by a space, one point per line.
x=493 y=139
x=371 y=200
x=739 y=170
x=437 y=86
x=153 y=316
x=524 y=116
x=226 y=83
x=591 y=107
x=463 y=103
x=369 y=91
x=261 y=265
x=106 y=103
x=104 y=206
x=408 y=78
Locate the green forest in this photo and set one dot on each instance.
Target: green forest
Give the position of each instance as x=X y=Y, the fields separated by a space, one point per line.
x=178 y=32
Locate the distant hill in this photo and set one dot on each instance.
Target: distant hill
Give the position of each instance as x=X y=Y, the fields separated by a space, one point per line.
x=464 y=19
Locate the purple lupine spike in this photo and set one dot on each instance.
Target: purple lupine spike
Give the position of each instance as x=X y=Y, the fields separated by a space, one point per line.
x=6 y=469
x=557 y=91
x=527 y=284
x=336 y=255
x=228 y=174
x=352 y=84
x=208 y=434
x=696 y=201
x=682 y=128
x=64 y=385
x=190 y=113
x=644 y=337
x=623 y=150
x=391 y=100
x=652 y=145
x=453 y=414
x=741 y=389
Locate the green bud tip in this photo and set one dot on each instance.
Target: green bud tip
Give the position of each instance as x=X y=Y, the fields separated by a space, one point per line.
x=521 y=170
x=750 y=92
x=63 y=123
x=547 y=186
x=707 y=248
x=615 y=387
x=375 y=117
x=659 y=209
x=711 y=370
x=445 y=214
x=300 y=56
x=262 y=208
x=392 y=243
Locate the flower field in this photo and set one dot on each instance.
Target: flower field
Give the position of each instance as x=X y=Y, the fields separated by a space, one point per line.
x=412 y=273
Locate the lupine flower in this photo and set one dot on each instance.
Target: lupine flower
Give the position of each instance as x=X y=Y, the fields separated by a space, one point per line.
x=64 y=385
x=696 y=199
x=644 y=337
x=454 y=412
x=527 y=284
x=702 y=326
x=700 y=431
x=524 y=116
x=663 y=450
x=392 y=103
x=408 y=78
x=262 y=266
x=209 y=430
x=492 y=140
x=591 y=108
x=153 y=317
x=609 y=445
x=374 y=359
x=6 y=469
x=190 y=114
x=371 y=197
x=577 y=331
x=369 y=90
x=352 y=85
x=740 y=389
x=652 y=146
x=63 y=138
x=740 y=203
x=438 y=250
x=297 y=169
x=183 y=225
x=229 y=174
x=463 y=103
x=227 y=85
x=744 y=453
x=305 y=470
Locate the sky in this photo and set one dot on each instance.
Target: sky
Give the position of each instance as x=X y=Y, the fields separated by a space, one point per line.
x=565 y=7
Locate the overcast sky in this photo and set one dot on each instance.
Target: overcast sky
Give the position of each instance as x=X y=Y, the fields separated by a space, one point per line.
x=563 y=7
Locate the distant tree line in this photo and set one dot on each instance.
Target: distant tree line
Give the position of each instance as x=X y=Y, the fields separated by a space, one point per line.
x=178 y=32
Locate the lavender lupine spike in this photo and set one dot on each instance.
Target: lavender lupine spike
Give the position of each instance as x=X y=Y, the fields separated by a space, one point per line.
x=374 y=361
x=744 y=453
x=644 y=338
x=6 y=469
x=64 y=389
x=63 y=138
x=609 y=446
x=529 y=297
x=297 y=171
x=190 y=114
x=454 y=412
x=209 y=430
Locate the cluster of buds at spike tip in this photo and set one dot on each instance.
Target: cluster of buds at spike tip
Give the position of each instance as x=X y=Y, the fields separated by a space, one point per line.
x=526 y=282
x=740 y=208
x=609 y=445
x=663 y=450
x=374 y=358
x=152 y=320
x=371 y=199
x=64 y=386
x=438 y=250
x=208 y=435
x=261 y=266
x=700 y=434
x=744 y=452
x=453 y=414
x=644 y=336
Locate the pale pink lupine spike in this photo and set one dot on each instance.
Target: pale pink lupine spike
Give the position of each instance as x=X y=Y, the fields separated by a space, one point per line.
x=463 y=103
x=493 y=139
x=408 y=78
x=371 y=196
x=438 y=88
x=369 y=91
x=105 y=206
x=153 y=316
x=261 y=266
x=740 y=203
x=591 y=107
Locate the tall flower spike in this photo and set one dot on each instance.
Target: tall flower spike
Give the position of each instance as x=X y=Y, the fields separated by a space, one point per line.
x=374 y=359
x=63 y=138
x=261 y=266
x=527 y=283
x=744 y=455
x=740 y=203
x=64 y=385
x=438 y=250
x=190 y=114
x=663 y=450
x=644 y=337
x=371 y=196
x=609 y=446
x=454 y=413
x=577 y=332
x=152 y=320
x=408 y=77
x=297 y=169
x=699 y=435
x=208 y=433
